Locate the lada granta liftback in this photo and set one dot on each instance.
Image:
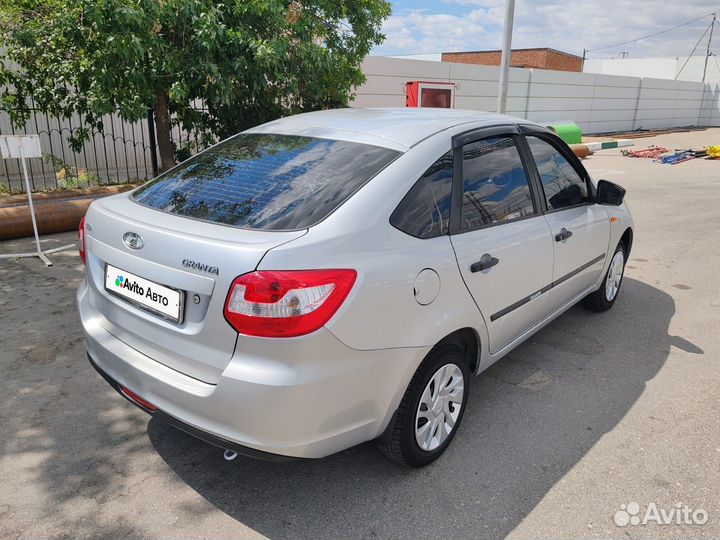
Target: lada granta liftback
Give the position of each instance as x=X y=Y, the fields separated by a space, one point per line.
x=337 y=277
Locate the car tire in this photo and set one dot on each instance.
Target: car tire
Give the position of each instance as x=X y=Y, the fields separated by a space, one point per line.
x=431 y=409
x=604 y=298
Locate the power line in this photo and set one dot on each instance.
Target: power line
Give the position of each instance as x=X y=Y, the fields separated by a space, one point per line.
x=694 y=49
x=650 y=35
x=707 y=53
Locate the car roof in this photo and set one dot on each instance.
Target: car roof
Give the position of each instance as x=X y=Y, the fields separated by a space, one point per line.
x=397 y=128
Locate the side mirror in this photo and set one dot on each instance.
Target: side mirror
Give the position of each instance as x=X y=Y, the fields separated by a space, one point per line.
x=609 y=193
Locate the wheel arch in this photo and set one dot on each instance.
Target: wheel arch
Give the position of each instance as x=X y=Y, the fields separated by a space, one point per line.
x=627 y=240
x=469 y=339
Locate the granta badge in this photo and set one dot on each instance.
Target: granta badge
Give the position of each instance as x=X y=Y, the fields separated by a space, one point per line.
x=202 y=267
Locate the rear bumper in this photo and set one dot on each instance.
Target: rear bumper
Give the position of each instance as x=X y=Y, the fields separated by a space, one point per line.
x=202 y=435
x=277 y=398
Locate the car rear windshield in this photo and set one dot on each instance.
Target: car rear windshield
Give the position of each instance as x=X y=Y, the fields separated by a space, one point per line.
x=266 y=181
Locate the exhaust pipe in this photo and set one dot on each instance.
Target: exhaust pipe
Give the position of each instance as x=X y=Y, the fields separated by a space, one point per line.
x=229 y=455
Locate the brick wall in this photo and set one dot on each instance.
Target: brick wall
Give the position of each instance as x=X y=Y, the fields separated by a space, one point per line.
x=526 y=58
x=560 y=61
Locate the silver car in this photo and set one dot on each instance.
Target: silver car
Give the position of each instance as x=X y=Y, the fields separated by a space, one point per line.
x=338 y=277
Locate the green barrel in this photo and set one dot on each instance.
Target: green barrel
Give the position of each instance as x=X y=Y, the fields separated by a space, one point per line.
x=568 y=131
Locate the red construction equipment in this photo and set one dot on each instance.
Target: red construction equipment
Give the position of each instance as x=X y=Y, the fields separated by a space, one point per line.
x=649 y=153
x=430 y=94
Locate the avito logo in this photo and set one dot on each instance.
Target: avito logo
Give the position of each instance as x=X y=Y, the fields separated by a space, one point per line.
x=131 y=286
x=122 y=282
x=681 y=514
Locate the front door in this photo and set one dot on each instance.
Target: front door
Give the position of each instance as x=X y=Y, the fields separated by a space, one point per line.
x=501 y=240
x=580 y=228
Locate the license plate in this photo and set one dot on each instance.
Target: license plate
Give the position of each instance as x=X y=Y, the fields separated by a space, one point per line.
x=144 y=293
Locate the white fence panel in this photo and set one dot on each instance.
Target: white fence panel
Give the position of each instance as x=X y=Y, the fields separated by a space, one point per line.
x=598 y=103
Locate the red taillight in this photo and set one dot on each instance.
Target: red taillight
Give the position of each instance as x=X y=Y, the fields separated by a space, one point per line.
x=132 y=396
x=81 y=239
x=286 y=303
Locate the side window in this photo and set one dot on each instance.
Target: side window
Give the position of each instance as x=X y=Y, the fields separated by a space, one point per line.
x=425 y=211
x=562 y=184
x=495 y=187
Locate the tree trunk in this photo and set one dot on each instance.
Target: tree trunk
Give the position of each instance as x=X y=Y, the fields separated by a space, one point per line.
x=162 y=127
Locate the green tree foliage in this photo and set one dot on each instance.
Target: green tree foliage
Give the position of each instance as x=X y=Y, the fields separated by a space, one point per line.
x=218 y=68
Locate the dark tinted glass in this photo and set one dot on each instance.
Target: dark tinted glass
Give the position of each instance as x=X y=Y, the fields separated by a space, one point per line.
x=495 y=187
x=436 y=97
x=425 y=211
x=266 y=181
x=562 y=184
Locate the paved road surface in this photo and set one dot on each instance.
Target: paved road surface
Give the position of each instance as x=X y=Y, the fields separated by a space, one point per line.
x=594 y=412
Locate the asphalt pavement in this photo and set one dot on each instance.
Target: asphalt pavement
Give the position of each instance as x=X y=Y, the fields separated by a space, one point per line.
x=592 y=414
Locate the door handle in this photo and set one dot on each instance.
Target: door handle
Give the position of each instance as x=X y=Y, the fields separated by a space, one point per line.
x=564 y=234
x=485 y=262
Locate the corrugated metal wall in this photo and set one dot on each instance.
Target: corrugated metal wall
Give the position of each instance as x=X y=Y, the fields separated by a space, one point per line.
x=682 y=68
x=598 y=103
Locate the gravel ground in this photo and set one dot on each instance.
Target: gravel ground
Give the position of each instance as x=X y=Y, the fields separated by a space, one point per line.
x=596 y=411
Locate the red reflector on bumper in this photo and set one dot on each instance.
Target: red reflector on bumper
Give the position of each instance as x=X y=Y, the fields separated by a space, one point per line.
x=132 y=396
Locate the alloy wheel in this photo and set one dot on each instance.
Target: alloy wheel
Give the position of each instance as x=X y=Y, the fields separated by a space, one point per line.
x=614 y=277
x=439 y=407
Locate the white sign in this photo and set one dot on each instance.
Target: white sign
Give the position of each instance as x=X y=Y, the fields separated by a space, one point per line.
x=19 y=146
x=143 y=291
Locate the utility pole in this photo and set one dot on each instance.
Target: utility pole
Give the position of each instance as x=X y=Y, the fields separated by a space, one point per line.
x=506 y=52
x=582 y=67
x=153 y=142
x=707 y=53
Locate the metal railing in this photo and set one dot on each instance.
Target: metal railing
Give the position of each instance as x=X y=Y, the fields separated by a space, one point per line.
x=123 y=152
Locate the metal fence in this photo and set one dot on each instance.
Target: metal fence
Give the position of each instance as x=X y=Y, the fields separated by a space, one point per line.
x=597 y=103
x=123 y=152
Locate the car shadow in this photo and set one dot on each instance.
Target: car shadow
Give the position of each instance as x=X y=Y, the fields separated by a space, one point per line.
x=531 y=417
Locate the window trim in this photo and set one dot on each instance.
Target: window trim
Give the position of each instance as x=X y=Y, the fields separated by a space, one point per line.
x=518 y=132
x=474 y=135
x=459 y=142
x=563 y=149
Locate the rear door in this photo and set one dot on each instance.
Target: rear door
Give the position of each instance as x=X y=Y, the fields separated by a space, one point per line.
x=580 y=228
x=501 y=239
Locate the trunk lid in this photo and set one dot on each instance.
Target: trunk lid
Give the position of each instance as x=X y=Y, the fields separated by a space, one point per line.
x=197 y=258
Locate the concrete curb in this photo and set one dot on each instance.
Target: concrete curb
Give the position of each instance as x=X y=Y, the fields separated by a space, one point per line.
x=595 y=146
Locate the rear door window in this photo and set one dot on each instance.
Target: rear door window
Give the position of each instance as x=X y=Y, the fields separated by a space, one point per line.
x=266 y=181
x=495 y=186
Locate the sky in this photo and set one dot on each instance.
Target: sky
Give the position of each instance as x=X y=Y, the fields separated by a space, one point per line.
x=427 y=26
